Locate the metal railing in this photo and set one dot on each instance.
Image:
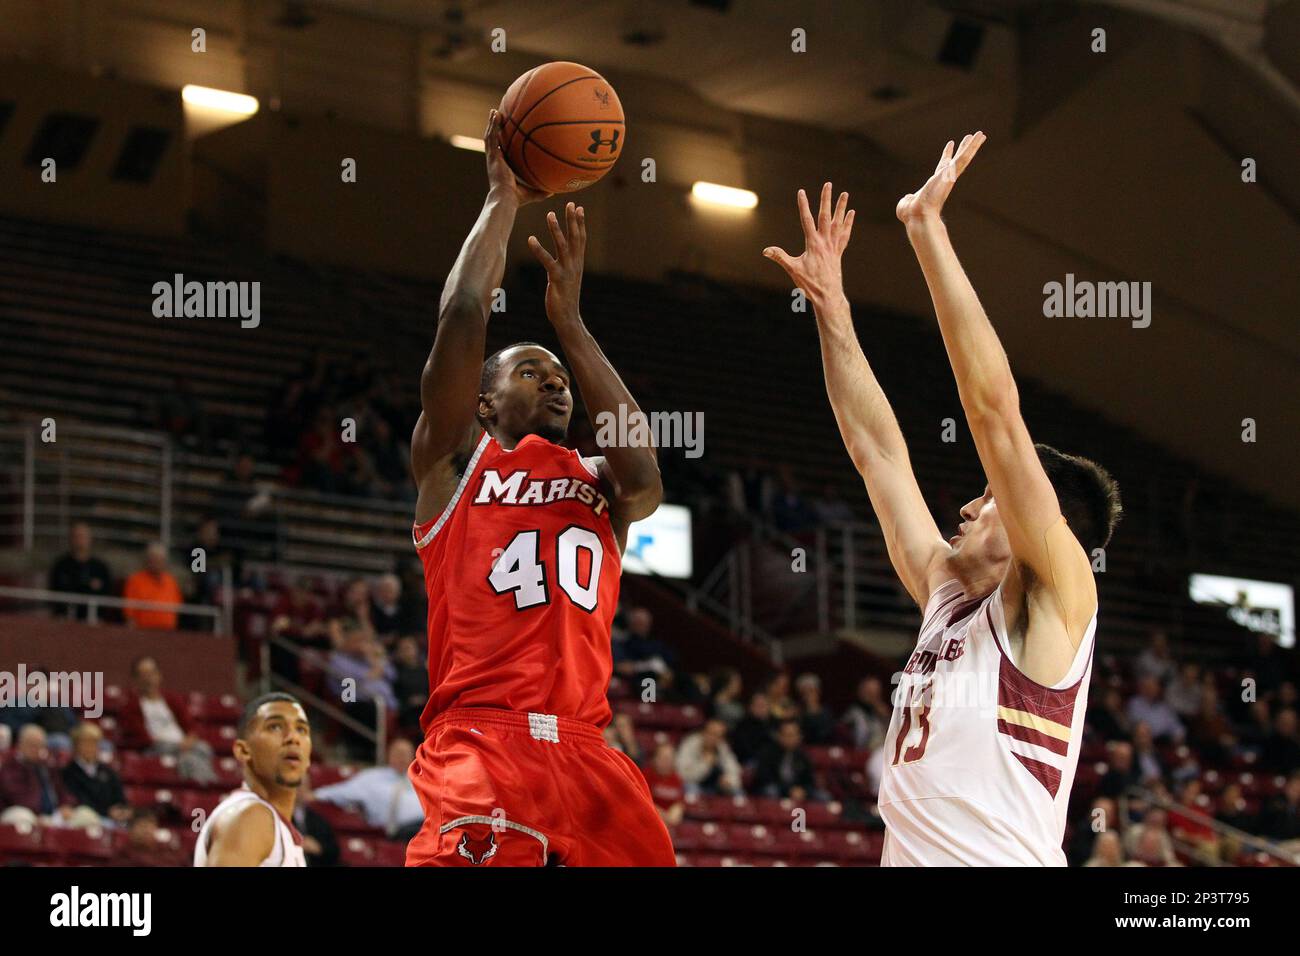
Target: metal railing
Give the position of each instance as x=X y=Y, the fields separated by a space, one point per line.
x=221 y=616
x=1224 y=833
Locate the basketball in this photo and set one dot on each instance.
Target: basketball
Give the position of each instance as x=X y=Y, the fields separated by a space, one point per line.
x=562 y=127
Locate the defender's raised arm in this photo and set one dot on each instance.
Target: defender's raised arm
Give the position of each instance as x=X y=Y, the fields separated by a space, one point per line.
x=867 y=423
x=449 y=384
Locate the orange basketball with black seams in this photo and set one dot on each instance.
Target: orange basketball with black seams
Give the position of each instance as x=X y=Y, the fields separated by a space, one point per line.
x=562 y=127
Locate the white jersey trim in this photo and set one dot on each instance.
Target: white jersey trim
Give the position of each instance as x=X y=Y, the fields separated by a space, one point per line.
x=423 y=542
x=1078 y=664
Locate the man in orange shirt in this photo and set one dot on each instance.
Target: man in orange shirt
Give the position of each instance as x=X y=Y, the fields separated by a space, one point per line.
x=153 y=582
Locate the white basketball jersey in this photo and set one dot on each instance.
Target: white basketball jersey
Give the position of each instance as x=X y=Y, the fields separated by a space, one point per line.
x=979 y=759
x=288 y=844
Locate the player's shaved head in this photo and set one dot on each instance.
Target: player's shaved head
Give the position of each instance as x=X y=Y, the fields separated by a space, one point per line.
x=524 y=390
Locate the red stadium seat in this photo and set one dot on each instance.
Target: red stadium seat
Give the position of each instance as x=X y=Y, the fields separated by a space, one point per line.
x=22 y=841
x=150 y=770
x=77 y=845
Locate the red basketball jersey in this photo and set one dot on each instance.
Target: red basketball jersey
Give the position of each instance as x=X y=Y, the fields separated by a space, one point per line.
x=522 y=572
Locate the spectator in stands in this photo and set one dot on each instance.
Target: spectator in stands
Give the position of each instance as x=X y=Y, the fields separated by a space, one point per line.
x=867 y=718
x=1265 y=664
x=1107 y=717
x=1184 y=691
x=1281 y=750
x=667 y=788
x=639 y=656
x=362 y=676
x=620 y=734
x=237 y=501
x=389 y=459
x=1209 y=730
x=1121 y=772
x=383 y=794
x=153 y=583
x=778 y=697
x=157 y=721
x=784 y=769
x=725 y=689
x=1155 y=661
x=31 y=791
x=706 y=763
x=1150 y=765
x=179 y=413
x=1234 y=809
x=410 y=681
x=354 y=604
x=1148 y=707
x=319 y=844
x=388 y=614
x=78 y=571
x=1257 y=728
x=323 y=455
x=299 y=617
x=753 y=733
x=816 y=723
x=1107 y=850
x=92 y=782
x=1187 y=825
x=145 y=845
x=790 y=513
x=218 y=559
x=57 y=722
x=1148 y=843
x=1280 y=819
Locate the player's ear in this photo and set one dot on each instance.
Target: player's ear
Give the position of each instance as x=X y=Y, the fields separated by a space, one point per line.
x=485 y=406
x=241 y=750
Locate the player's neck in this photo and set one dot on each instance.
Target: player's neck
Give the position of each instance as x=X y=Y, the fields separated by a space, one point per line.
x=977 y=579
x=282 y=798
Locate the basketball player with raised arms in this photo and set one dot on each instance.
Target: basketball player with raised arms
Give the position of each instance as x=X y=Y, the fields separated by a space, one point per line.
x=988 y=715
x=252 y=826
x=521 y=541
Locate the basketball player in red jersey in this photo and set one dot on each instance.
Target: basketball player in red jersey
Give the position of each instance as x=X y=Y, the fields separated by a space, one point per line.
x=521 y=541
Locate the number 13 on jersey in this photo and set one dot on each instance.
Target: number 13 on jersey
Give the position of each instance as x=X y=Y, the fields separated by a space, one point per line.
x=523 y=568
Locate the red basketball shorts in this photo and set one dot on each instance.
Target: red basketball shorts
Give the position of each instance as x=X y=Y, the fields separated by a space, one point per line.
x=501 y=788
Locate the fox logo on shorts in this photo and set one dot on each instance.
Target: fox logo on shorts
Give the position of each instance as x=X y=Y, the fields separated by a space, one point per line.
x=477 y=850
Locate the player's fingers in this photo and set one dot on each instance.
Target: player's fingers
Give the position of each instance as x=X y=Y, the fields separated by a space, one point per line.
x=781 y=258
x=571 y=223
x=540 y=253
x=947 y=155
x=968 y=151
x=490 y=136
x=824 y=207
x=841 y=208
x=847 y=229
x=553 y=224
x=582 y=226
x=805 y=215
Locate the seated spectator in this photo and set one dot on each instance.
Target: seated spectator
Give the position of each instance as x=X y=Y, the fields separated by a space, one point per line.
x=156 y=720
x=867 y=718
x=620 y=734
x=299 y=617
x=57 y=722
x=1106 y=716
x=784 y=769
x=154 y=583
x=706 y=763
x=1150 y=765
x=1156 y=661
x=354 y=604
x=1187 y=825
x=1107 y=850
x=388 y=615
x=145 y=845
x=383 y=794
x=78 y=571
x=1184 y=691
x=31 y=792
x=1280 y=819
x=1148 y=706
x=218 y=559
x=320 y=846
x=815 y=721
x=1281 y=750
x=725 y=689
x=92 y=782
x=1148 y=843
x=1121 y=772
x=1209 y=730
x=361 y=676
x=410 y=681
x=1234 y=809
x=666 y=786
x=639 y=657
x=778 y=697
x=753 y=733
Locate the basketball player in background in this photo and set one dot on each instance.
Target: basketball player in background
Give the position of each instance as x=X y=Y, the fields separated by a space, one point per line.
x=251 y=826
x=988 y=716
x=521 y=541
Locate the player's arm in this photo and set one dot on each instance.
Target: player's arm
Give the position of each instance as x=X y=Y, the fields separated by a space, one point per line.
x=1048 y=560
x=243 y=837
x=867 y=423
x=449 y=384
x=631 y=473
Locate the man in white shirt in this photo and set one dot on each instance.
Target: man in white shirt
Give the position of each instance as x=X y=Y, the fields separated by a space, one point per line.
x=383 y=794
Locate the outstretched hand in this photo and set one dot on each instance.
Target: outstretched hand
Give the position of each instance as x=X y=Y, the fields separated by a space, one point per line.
x=564 y=269
x=817 y=270
x=500 y=176
x=929 y=199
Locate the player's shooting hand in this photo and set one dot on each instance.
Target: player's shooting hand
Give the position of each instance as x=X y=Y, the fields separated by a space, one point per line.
x=817 y=271
x=564 y=269
x=929 y=199
x=501 y=178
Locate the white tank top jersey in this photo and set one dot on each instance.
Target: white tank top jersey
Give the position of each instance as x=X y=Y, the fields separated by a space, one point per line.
x=288 y=843
x=979 y=759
